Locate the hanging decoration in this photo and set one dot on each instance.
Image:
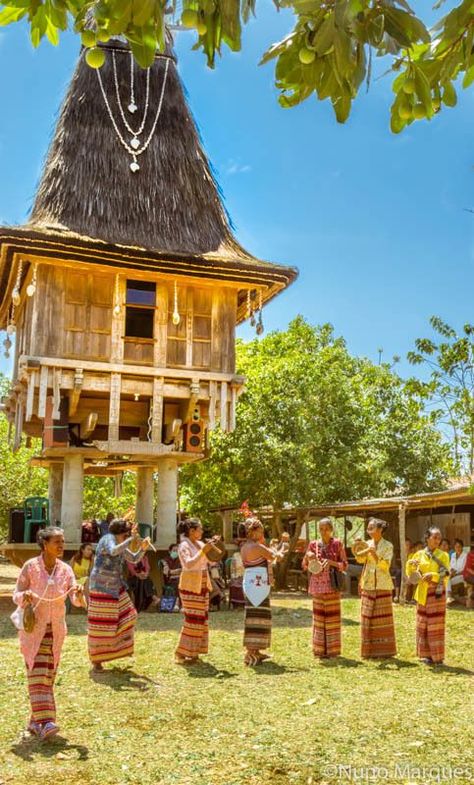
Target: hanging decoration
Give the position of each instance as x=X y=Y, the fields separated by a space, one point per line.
x=249 y=305
x=7 y=345
x=149 y=433
x=31 y=288
x=16 y=291
x=11 y=326
x=133 y=145
x=176 y=318
x=117 y=306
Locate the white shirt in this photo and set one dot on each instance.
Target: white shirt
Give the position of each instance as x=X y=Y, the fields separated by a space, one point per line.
x=458 y=563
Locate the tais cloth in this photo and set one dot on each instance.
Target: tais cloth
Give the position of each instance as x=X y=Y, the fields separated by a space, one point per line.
x=41 y=677
x=377 y=627
x=327 y=624
x=194 y=638
x=431 y=626
x=110 y=626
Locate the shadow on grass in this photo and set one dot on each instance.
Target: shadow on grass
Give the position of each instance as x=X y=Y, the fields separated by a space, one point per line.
x=123 y=680
x=30 y=747
x=394 y=663
x=270 y=668
x=205 y=670
x=350 y=622
x=339 y=662
x=438 y=668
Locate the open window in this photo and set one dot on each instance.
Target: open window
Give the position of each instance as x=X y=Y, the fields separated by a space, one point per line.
x=139 y=321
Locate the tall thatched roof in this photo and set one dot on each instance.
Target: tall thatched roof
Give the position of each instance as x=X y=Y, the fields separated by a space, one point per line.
x=171 y=204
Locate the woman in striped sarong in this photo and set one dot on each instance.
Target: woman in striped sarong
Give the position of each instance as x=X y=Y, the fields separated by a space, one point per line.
x=430 y=596
x=111 y=615
x=376 y=588
x=257 y=558
x=45 y=582
x=330 y=555
x=194 y=587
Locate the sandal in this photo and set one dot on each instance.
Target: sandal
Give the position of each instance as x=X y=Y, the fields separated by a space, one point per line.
x=179 y=660
x=34 y=728
x=251 y=659
x=48 y=730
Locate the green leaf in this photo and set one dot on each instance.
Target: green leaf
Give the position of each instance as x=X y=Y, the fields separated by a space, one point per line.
x=143 y=44
x=342 y=106
x=423 y=91
x=404 y=27
x=9 y=15
x=323 y=39
x=468 y=77
x=449 y=97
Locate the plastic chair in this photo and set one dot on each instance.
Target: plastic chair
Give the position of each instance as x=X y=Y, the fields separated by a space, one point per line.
x=145 y=530
x=36 y=510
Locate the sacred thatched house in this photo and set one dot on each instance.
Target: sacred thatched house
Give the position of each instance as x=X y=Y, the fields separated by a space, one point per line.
x=124 y=289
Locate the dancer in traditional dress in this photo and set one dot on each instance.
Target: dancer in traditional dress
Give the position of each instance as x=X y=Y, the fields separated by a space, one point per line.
x=325 y=586
x=111 y=614
x=376 y=587
x=44 y=583
x=432 y=564
x=194 y=587
x=257 y=558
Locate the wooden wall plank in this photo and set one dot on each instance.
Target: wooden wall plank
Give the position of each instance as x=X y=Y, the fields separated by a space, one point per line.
x=43 y=390
x=114 y=410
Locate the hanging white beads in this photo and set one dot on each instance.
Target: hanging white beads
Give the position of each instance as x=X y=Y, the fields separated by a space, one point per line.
x=16 y=291
x=31 y=288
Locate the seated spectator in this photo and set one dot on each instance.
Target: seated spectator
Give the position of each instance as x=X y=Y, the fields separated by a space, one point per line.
x=468 y=576
x=236 y=592
x=140 y=583
x=171 y=567
x=104 y=525
x=456 y=589
x=82 y=563
x=446 y=546
x=217 y=592
x=90 y=531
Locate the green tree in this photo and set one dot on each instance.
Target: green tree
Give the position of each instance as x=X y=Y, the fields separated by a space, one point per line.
x=449 y=392
x=328 y=53
x=317 y=425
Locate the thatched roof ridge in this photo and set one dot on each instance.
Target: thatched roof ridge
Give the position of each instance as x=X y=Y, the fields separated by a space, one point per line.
x=171 y=204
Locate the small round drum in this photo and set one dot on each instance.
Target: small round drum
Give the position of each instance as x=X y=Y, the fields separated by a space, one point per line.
x=216 y=552
x=415 y=578
x=358 y=547
x=314 y=566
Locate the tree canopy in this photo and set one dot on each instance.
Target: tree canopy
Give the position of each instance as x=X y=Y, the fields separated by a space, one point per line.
x=328 y=53
x=316 y=424
x=449 y=391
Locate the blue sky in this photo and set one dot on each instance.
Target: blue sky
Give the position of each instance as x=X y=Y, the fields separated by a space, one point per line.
x=377 y=224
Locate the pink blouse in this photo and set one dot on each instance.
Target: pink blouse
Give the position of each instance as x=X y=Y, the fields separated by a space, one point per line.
x=34 y=577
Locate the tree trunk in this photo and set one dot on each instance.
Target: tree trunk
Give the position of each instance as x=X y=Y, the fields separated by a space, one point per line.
x=284 y=564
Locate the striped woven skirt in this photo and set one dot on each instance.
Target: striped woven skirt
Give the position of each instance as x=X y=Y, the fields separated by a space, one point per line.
x=110 y=626
x=194 y=638
x=327 y=624
x=41 y=681
x=430 y=626
x=377 y=628
x=257 y=626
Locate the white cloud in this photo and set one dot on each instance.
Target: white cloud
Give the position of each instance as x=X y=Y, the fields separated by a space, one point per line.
x=235 y=167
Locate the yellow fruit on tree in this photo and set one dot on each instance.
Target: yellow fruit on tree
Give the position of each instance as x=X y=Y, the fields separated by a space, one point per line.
x=189 y=18
x=88 y=38
x=95 y=57
x=103 y=36
x=201 y=28
x=405 y=112
x=409 y=86
x=419 y=111
x=306 y=56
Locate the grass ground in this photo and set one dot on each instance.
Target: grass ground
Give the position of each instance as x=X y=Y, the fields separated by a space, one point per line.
x=292 y=721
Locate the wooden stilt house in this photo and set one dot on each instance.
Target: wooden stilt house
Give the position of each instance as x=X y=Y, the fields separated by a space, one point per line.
x=124 y=290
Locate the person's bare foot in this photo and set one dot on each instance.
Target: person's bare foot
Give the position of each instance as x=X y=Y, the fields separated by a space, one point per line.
x=179 y=659
x=97 y=667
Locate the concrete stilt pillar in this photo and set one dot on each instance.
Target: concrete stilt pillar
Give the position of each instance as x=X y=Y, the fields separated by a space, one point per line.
x=73 y=492
x=55 y=492
x=166 y=507
x=144 y=503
